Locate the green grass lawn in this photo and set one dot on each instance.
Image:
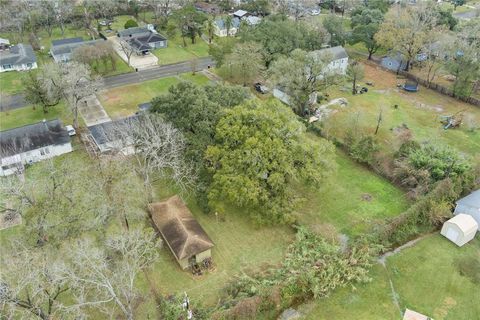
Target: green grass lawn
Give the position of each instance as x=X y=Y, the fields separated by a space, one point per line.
x=176 y=52
x=420 y=112
x=198 y=78
x=10 y=82
x=28 y=115
x=352 y=200
x=123 y=101
x=119 y=22
x=426 y=279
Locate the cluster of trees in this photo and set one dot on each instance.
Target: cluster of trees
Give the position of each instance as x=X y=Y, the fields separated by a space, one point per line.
x=93 y=55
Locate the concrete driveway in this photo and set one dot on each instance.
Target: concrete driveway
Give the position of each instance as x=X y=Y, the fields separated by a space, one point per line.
x=93 y=112
x=138 y=62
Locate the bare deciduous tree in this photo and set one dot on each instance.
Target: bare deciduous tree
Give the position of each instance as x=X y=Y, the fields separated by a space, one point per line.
x=127 y=49
x=104 y=279
x=158 y=149
x=32 y=285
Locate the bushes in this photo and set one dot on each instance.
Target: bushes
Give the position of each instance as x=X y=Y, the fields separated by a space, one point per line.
x=312 y=267
x=130 y=24
x=362 y=148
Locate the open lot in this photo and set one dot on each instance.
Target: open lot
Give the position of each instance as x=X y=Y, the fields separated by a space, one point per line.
x=419 y=111
x=123 y=101
x=176 y=52
x=425 y=277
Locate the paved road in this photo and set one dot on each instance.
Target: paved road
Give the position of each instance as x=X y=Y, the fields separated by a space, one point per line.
x=18 y=100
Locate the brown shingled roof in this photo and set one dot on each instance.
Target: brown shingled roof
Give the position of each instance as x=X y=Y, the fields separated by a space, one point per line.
x=179 y=228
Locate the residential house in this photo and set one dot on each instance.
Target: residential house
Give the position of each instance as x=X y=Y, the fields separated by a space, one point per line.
x=4 y=44
x=18 y=58
x=339 y=58
x=32 y=143
x=221 y=28
x=241 y=14
x=470 y=205
x=113 y=136
x=182 y=233
x=143 y=39
x=253 y=20
x=208 y=8
x=62 y=50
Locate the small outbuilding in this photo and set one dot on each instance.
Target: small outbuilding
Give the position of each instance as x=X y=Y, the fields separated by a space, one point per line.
x=413 y=315
x=460 y=229
x=470 y=205
x=182 y=233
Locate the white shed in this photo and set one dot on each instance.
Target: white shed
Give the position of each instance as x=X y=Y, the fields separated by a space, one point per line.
x=460 y=229
x=470 y=205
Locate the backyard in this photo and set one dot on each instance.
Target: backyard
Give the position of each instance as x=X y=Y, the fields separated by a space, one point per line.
x=28 y=115
x=420 y=112
x=425 y=277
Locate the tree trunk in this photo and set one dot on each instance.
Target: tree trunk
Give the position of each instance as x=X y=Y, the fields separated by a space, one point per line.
x=354 y=88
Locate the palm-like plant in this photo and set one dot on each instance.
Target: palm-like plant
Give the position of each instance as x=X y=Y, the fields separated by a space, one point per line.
x=228 y=24
x=210 y=29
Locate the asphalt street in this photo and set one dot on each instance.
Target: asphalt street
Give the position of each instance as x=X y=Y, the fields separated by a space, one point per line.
x=18 y=100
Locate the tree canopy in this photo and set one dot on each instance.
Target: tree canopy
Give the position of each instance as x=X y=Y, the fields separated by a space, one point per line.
x=259 y=150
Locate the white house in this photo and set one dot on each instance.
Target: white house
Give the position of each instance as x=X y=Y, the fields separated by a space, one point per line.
x=339 y=58
x=221 y=29
x=18 y=58
x=460 y=229
x=62 y=50
x=470 y=205
x=32 y=143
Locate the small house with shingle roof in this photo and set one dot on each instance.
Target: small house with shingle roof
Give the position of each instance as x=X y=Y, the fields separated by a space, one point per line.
x=18 y=58
x=62 y=50
x=182 y=233
x=142 y=39
x=338 y=57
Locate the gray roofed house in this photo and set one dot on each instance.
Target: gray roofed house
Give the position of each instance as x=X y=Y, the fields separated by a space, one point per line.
x=142 y=39
x=32 y=143
x=18 y=58
x=221 y=29
x=470 y=205
x=339 y=58
x=62 y=49
x=240 y=14
x=111 y=136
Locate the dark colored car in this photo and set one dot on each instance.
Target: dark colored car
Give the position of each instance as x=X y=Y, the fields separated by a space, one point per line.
x=260 y=88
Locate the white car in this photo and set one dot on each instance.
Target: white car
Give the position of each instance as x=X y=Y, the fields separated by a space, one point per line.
x=315 y=12
x=71 y=131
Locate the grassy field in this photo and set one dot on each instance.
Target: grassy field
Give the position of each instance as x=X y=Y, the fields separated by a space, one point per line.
x=352 y=200
x=123 y=101
x=120 y=102
x=28 y=115
x=119 y=22
x=426 y=279
x=11 y=82
x=176 y=52
x=420 y=112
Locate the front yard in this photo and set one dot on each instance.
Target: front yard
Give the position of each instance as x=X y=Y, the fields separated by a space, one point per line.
x=28 y=115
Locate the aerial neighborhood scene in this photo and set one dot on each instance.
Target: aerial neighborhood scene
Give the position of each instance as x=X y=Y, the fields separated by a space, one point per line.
x=240 y=159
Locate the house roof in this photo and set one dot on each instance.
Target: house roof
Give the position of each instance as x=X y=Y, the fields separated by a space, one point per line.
x=32 y=137
x=67 y=46
x=141 y=41
x=66 y=41
x=472 y=200
x=465 y=222
x=179 y=228
x=107 y=131
x=337 y=52
x=220 y=22
x=130 y=32
x=253 y=20
x=240 y=13
x=4 y=41
x=19 y=54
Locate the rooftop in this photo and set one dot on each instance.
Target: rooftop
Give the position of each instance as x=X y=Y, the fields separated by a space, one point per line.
x=32 y=137
x=18 y=54
x=337 y=52
x=67 y=46
x=472 y=200
x=179 y=228
x=220 y=22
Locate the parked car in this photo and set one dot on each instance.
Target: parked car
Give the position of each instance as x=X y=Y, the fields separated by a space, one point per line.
x=260 y=88
x=71 y=131
x=315 y=12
